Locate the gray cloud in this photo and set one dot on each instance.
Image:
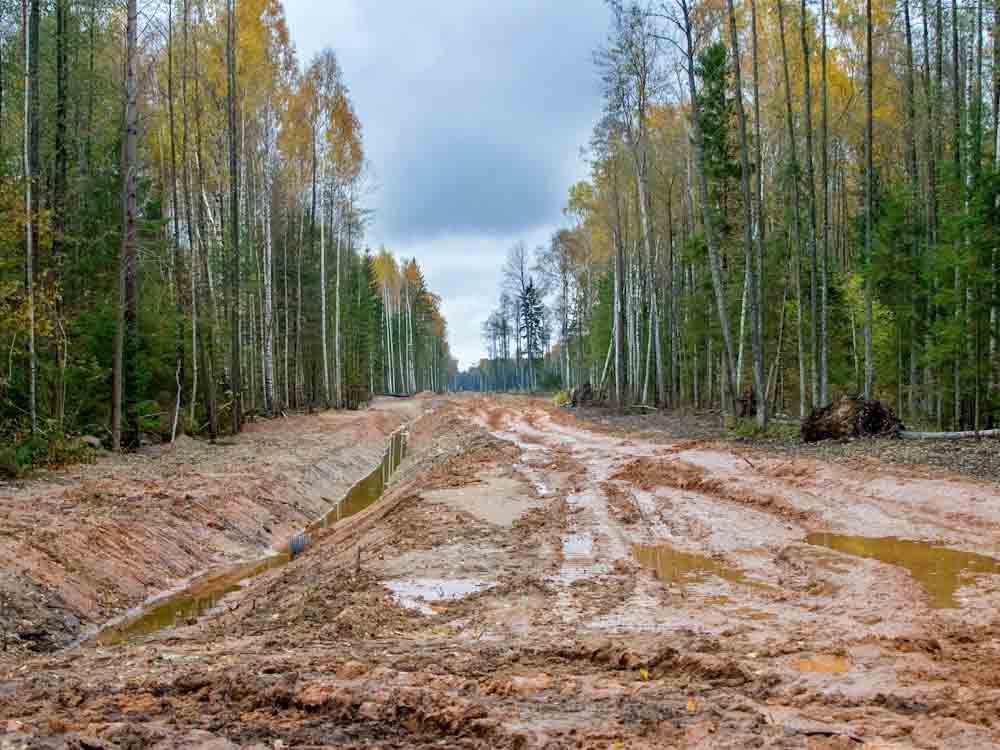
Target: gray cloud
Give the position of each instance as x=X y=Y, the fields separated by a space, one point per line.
x=474 y=113
x=468 y=185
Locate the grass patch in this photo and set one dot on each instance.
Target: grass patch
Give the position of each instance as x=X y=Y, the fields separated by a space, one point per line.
x=21 y=456
x=748 y=429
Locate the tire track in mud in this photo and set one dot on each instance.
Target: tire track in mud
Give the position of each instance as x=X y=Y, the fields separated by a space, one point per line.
x=884 y=502
x=597 y=573
x=753 y=514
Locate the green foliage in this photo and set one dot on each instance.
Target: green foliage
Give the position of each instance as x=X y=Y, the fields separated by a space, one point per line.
x=532 y=318
x=749 y=429
x=23 y=454
x=183 y=280
x=9 y=467
x=361 y=332
x=716 y=117
x=31 y=451
x=602 y=322
x=550 y=380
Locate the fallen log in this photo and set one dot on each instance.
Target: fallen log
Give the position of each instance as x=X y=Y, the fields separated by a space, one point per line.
x=964 y=435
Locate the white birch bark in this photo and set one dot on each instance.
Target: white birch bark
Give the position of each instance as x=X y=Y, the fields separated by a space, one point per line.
x=29 y=244
x=338 y=375
x=322 y=289
x=268 y=316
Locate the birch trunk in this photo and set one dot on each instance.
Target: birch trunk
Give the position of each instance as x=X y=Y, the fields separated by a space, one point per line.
x=29 y=240
x=811 y=207
x=210 y=326
x=796 y=205
x=128 y=314
x=189 y=213
x=914 y=196
x=757 y=318
x=337 y=373
x=234 y=218
x=323 y=290
x=176 y=238
x=641 y=181
x=824 y=345
x=268 y=311
x=869 y=200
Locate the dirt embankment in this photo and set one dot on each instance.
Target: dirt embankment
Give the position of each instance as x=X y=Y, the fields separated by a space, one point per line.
x=79 y=547
x=528 y=581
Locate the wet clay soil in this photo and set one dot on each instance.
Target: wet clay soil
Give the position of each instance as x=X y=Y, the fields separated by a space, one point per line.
x=528 y=580
x=204 y=594
x=83 y=547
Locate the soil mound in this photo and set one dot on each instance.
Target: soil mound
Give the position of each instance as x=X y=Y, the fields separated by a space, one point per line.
x=851 y=417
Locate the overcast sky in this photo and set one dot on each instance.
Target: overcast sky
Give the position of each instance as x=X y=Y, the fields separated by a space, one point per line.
x=474 y=113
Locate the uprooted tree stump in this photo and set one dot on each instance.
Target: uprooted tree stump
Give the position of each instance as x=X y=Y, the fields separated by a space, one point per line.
x=746 y=404
x=851 y=417
x=582 y=395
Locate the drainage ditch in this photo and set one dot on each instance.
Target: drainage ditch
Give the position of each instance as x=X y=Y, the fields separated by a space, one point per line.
x=205 y=593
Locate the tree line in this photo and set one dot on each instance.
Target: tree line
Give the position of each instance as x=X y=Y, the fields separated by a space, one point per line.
x=183 y=244
x=790 y=201
x=518 y=332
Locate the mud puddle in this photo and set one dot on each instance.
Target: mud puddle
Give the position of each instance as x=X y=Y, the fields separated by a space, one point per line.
x=196 y=599
x=824 y=664
x=418 y=593
x=941 y=571
x=671 y=565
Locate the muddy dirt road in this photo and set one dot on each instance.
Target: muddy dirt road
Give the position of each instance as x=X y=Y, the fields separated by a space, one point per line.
x=529 y=580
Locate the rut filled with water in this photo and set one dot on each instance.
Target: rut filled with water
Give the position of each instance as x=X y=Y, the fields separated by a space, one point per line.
x=941 y=571
x=205 y=593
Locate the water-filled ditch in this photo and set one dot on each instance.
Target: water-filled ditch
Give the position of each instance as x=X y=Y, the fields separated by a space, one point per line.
x=205 y=593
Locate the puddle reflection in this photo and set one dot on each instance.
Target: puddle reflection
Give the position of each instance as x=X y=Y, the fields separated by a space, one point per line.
x=203 y=595
x=671 y=565
x=824 y=663
x=940 y=570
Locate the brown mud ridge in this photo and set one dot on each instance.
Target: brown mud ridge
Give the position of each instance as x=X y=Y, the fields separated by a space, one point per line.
x=527 y=581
